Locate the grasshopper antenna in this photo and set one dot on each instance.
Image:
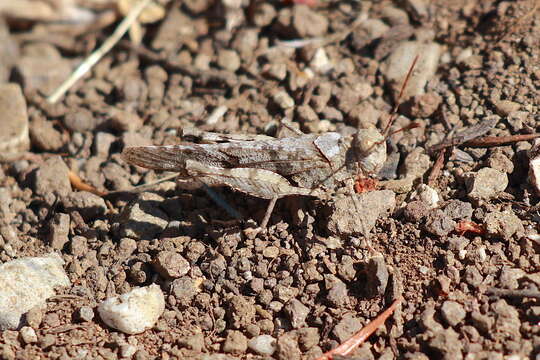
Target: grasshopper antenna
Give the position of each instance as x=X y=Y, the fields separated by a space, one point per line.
x=393 y=114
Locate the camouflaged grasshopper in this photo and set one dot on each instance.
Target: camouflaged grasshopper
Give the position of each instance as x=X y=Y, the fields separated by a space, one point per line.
x=270 y=168
x=266 y=167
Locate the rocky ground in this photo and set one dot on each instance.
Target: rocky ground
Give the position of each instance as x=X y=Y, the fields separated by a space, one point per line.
x=451 y=226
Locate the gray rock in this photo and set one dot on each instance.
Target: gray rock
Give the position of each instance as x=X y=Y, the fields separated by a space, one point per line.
x=485 y=184
x=472 y=276
x=52 y=177
x=447 y=344
x=400 y=60
x=377 y=276
x=415 y=211
x=235 y=343
x=86 y=313
x=452 y=312
x=262 y=345
x=499 y=161
x=142 y=218
x=26 y=283
x=28 y=335
x=59 y=231
x=228 y=60
x=346 y=327
x=307 y=22
x=308 y=338
x=503 y=224
x=44 y=136
x=170 y=264
x=438 y=223
x=483 y=323
x=297 y=313
x=80 y=120
x=427 y=320
x=457 y=210
x=358 y=213
x=89 y=205
x=337 y=291
x=13 y=122
x=507 y=320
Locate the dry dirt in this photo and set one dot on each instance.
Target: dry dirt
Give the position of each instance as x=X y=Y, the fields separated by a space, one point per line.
x=305 y=285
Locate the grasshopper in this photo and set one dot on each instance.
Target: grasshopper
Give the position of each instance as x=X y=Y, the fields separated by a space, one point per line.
x=267 y=167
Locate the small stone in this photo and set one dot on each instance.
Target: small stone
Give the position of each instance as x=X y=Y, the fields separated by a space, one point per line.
x=472 y=276
x=308 y=338
x=343 y=219
x=297 y=313
x=337 y=292
x=534 y=165
x=287 y=348
x=503 y=224
x=14 y=136
x=482 y=322
x=125 y=121
x=486 y=183
x=320 y=62
x=170 y=264
x=28 y=335
x=89 y=205
x=277 y=70
x=271 y=252
x=456 y=209
x=102 y=144
x=498 y=161
x=284 y=100
x=438 y=223
x=228 y=60
x=135 y=311
x=59 y=231
x=447 y=344
x=377 y=276
x=399 y=62
x=44 y=136
x=80 y=120
x=240 y=312
x=86 y=313
x=52 y=177
x=346 y=327
x=127 y=350
x=235 y=343
x=424 y=105
x=193 y=342
x=452 y=312
x=26 y=283
x=263 y=345
x=427 y=320
x=427 y=195
x=308 y=23
x=505 y=107
x=415 y=211
x=142 y=219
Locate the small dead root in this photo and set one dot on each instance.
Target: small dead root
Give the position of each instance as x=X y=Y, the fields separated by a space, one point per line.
x=79 y=184
x=468 y=226
x=358 y=339
x=489 y=141
x=437 y=167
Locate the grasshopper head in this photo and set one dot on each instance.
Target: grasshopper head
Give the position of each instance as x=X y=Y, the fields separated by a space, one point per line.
x=370 y=148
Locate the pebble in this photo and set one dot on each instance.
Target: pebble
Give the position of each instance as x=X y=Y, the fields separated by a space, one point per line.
x=399 y=62
x=344 y=219
x=447 y=343
x=534 y=165
x=498 y=161
x=287 y=347
x=228 y=60
x=262 y=345
x=438 y=223
x=424 y=105
x=320 y=62
x=14 y=136
x=59 y=231
x=86 y=313
x=170 y=264
x=452 y=312
x=308 y=23
x=28 y=335
x=505 y=107
x=135 y=311
x=80 y=120
x=427 y=195
x=377 y=276
x=457 y=209
x=123 y=121
x=415 y=211
x=284 y=100
x=297 y=313
x=485 y=184
x=235 y=343
x=52 y=176
x=44 y=136
x=503 y=224
x=346 y=327
x=89 y=205
x=26 y=283
x=337 y=292
x=142 y=219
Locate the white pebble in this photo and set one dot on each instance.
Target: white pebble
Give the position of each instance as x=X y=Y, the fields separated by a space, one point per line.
x=26 y=283
x=135 y=311
x=28 y=335
x=263 y=345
